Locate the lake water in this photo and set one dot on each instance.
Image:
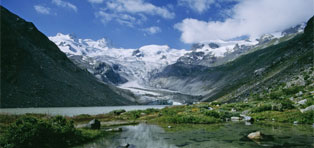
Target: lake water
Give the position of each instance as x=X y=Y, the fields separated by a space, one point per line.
x=226 y=135
x=72 y=111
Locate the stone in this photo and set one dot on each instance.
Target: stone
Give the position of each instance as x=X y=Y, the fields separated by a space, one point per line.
x=245 y=112
x=93 y=124
x=295 y=122
x=310 y=108
x=235 y=118
x=169 y=126
x=300 y=93
x=210 y=108
x=247 y=118
x=143 y=114
x=233 y=110
x=302 y=102
x=126 y=145
x=255 y=135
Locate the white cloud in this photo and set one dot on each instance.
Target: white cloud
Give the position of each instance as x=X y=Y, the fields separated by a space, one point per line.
x=96 y=1
x=139 y=6
x=197 y=5
x=123 y=19
x=41 y=9
x=64 y=4
x=152 y=30
x=250 y=17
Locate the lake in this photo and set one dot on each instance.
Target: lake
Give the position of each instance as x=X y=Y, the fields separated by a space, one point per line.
x=225 y=135
x=72 y=111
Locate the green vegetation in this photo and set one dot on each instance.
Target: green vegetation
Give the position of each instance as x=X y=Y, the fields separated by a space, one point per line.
x=30 y=131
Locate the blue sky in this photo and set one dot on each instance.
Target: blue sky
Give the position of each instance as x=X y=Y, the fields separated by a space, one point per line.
x=177 y=23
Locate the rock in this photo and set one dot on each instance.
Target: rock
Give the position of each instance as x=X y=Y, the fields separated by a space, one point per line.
x=302 y=101
x=291 y=98
x=245 y=112
x=295 y=122
x=233 y=110
x=235 y=118
x=169 y=126
x=143 y=114
x=300 y=93
x=126 y=145
x=247 y=118
x=248 y=123
x=259 y=72
x=209 y=108
x=93 y=124
x=255 y=135
x=310 y=108
x=118 y=129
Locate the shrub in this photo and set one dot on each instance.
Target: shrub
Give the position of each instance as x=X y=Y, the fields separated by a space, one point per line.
x=261 y=108
x=118 y=112
x=211 y=113
x=32 y=132
x=293 y=90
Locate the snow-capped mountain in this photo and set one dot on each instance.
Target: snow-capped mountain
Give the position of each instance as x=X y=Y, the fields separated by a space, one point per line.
x=137 y=69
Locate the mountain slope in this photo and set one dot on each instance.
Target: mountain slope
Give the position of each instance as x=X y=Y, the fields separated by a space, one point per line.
x=240 y=76
x=35 y=73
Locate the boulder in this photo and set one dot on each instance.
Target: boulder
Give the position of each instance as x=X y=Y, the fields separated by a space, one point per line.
x=233 y=110
x=143 y=114
x=247 y=118
x=93 y=124
x=310 y=108
x=235 y=118
x=302 y=102
x=255 y=135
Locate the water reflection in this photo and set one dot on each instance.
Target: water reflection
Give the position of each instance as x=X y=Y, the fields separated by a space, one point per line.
x=227 y=135
x=143 y=136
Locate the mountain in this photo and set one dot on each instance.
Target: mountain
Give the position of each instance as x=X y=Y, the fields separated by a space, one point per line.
x=158 y=72
x=262 y=68
x=35 y=73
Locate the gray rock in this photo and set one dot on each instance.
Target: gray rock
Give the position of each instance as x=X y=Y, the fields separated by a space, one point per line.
x=125 y=145
x=295 y=122
x=93 y=124
x=302 y=101
x=255 y=135
x=233 y=110
x=310 y=108
x=300 y=93
x=143 y=114
x=169 y=126
x=247 y=118
x=235 y=118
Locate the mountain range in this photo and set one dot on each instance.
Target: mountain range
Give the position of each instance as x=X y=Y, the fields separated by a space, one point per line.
x=63 y=70
x=158 y=72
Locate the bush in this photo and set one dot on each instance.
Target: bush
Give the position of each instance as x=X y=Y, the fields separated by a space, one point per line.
x=261 y=108
x=211 y=113
x=293 y=90
x=118 y=112
x=32 y=132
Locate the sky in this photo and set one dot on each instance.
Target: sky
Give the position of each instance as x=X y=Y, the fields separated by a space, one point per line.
x=177 y=23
